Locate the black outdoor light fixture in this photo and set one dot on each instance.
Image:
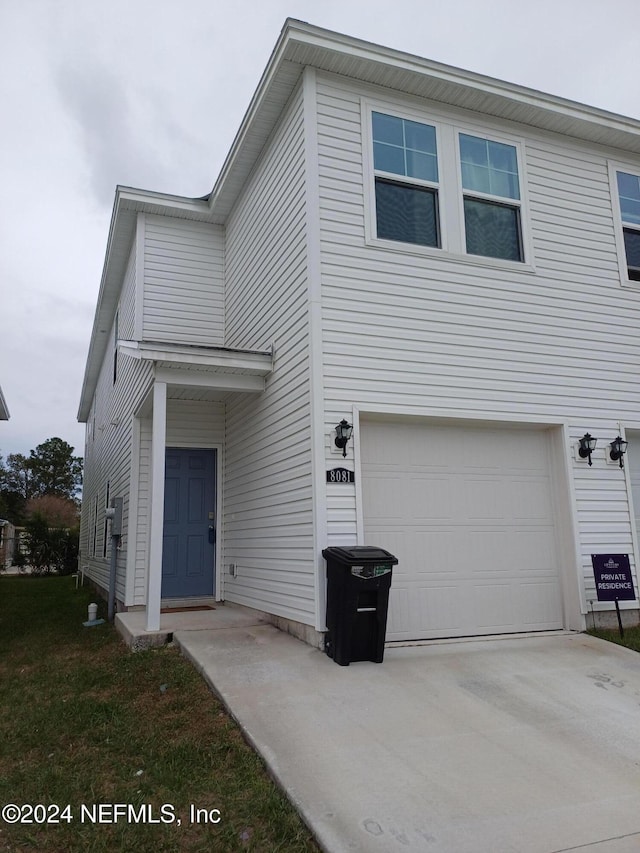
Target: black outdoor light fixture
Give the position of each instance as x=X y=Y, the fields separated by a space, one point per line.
x=587 y=446
x=343 y=434
x=618 y=449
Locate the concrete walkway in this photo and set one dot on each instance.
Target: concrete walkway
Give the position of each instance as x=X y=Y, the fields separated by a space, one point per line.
x=519 y=745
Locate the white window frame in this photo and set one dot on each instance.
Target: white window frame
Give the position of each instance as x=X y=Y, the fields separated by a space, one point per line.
x=393 y=177
x=450 y=196
x=618 y=225
x=492 y=199
x=116 y=321
x=94 y=546
x=105 y=543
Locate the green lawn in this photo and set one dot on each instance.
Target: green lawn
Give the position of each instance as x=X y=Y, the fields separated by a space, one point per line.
x=631 y=637
x=83 y=721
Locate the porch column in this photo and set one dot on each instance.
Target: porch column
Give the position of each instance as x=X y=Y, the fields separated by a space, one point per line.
x=158 y=444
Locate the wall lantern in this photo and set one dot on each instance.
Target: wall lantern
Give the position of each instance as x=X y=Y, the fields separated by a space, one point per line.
x=618 y=449
x=343 y=434
x=587 y=446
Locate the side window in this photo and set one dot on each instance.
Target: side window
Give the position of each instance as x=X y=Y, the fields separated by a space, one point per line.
x=629 y=196
x=95 y=527
x=106 y=522
x=491 y=198
x=115 y=348
x=406 y=180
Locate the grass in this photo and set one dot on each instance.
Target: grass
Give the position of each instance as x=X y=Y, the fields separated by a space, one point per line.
x=631 y=637
x=85 y=721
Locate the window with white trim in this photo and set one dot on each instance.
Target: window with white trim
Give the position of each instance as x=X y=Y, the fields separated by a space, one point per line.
x=405 y=161
x=629 y=198
x=491 y=193
x=106 y=520
x=115 y=347
x=442 y=187
x=95 y=527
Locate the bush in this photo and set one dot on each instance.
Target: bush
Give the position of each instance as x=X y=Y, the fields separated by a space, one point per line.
x=50 y=549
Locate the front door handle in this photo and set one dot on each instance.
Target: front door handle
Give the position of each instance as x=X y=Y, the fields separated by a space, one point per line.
x=212 y=535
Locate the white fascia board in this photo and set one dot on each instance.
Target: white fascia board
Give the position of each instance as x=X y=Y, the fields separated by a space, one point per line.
x=257 y=363
x=4 y=411
x=133 y=198
x=399 y=60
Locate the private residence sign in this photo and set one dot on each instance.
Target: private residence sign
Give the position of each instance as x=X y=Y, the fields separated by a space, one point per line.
x=613 y=578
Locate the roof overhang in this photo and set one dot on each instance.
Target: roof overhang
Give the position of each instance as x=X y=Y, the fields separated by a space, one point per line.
x=4 y=411
x=301 y=45
x=220 y=369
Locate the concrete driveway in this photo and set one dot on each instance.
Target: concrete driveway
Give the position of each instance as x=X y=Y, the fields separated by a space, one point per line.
x=518 y=745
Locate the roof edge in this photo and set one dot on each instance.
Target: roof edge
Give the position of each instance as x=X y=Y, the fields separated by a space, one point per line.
x=4 y=410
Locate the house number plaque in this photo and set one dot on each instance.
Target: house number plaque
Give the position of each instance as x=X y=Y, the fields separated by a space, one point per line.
x=340 y=475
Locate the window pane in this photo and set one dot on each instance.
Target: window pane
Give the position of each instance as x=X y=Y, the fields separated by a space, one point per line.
x=387 y=129
x=387 y=158
x=632 y=248
x=476 y=178
x=489 y=167
x=404 y=147
x=422 y=137
x=492 y=230
x=423 y=166
x=406 y=213
x=629 y=192
x=503 y=157
x=630 y=209
x=629 y=185
x=473 y=150
x=504 y=184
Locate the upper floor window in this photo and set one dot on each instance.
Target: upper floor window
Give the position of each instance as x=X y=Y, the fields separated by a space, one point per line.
x=491 y=191
x=405 y=160
x=629 y=195
x=440 y=187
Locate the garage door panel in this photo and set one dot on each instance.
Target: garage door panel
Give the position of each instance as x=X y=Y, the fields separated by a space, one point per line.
x=473 y=528
x=493 y=606
x=435 y=611
x=385 y=498
x=427 y=498
x=535 y=599
x=531 y=501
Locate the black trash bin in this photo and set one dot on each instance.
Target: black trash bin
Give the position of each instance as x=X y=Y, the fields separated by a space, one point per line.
x=358 y=582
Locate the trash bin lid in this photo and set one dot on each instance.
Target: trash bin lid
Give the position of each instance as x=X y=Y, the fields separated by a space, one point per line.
x=358 y=555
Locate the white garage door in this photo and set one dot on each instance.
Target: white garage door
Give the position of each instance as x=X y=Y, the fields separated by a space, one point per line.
x=468 y=511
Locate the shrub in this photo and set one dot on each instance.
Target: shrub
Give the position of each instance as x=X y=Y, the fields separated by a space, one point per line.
x=50 y=549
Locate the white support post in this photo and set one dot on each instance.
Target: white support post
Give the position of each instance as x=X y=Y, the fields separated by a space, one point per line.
x=158 y=443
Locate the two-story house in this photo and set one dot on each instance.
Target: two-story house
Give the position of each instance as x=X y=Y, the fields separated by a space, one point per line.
x=448 y=262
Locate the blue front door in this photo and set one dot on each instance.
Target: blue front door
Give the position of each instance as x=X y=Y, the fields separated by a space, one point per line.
x=188 y=551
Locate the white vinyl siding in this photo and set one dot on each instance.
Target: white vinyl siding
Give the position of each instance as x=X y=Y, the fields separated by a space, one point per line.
x=108 y=452
x=268 y=522
x=184 y=281
x=407 y=332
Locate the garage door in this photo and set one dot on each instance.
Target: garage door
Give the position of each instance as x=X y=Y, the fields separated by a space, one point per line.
x=468 y=511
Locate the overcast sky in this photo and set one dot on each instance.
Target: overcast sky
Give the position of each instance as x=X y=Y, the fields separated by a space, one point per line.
x=150 y=93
